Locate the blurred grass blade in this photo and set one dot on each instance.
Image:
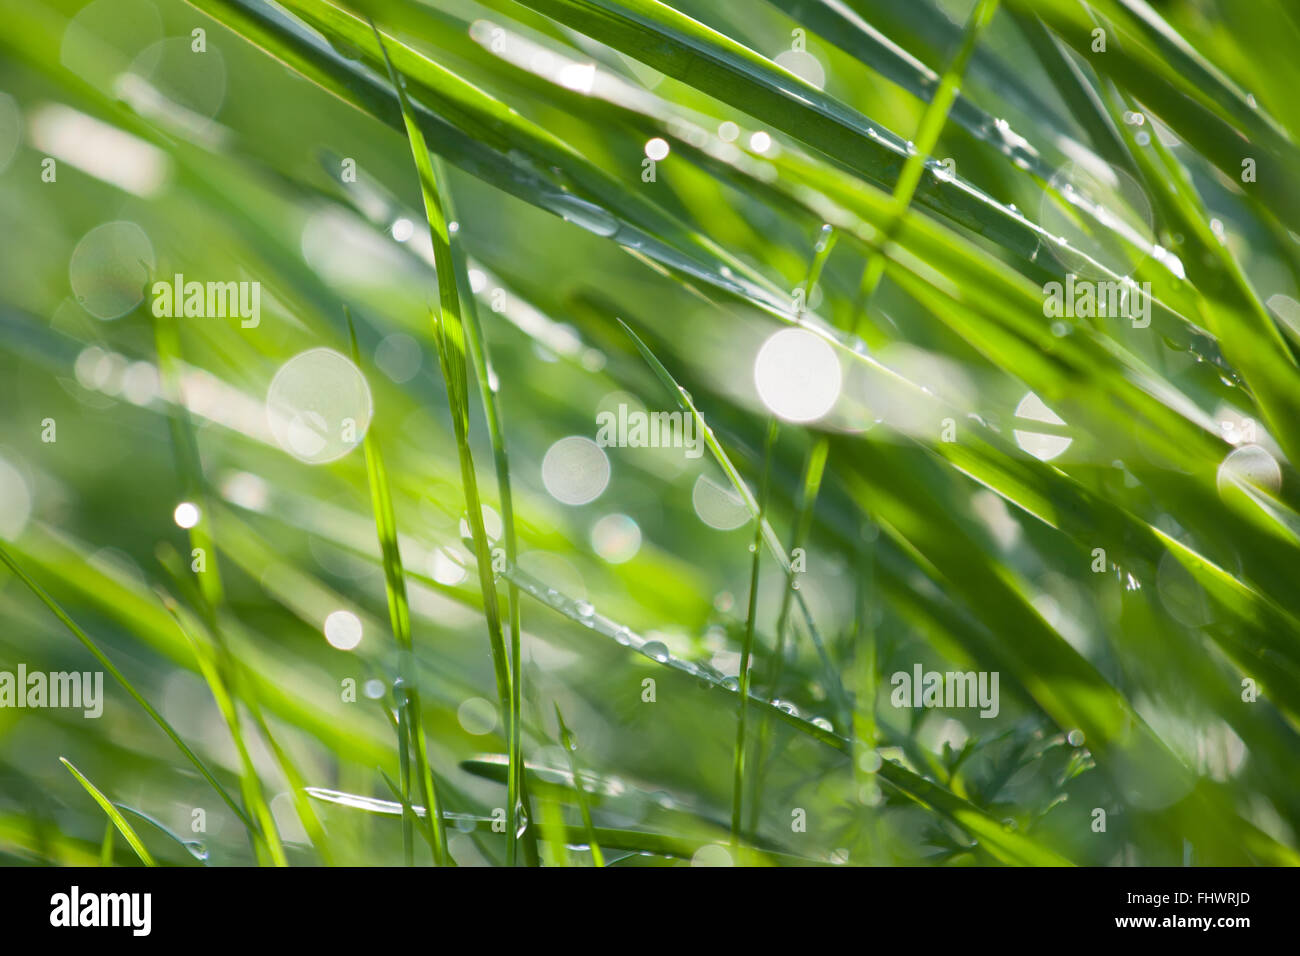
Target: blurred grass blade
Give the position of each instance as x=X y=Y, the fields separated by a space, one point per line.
x=108 y=665
x=267 y=833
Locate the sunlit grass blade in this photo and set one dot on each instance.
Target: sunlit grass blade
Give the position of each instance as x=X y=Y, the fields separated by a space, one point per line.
x=399 y=612
x=488 y=387
x=449 y=332
x=113 y=814
x=927 y=136
x=1201 y=104
x=674 y=43
x=837 y=23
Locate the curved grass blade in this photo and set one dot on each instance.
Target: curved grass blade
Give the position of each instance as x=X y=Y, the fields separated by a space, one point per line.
x=766 y=534
x=638 y=841
x=193 y=847
x=113 y=814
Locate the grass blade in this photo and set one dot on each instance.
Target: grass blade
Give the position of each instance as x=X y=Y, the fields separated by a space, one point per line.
x=399 y=612
x=567 y=741
x=111 y=811
x=747 y=648
x=449 y=332
x=267 y=833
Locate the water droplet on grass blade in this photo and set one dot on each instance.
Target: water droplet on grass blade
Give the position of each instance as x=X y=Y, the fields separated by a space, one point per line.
x=1249 y=466
x=655 y=650
x=711 y=854
x=587 y=215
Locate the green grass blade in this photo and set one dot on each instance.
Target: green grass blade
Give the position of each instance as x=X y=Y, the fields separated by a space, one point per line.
x=486 y=378
x=579 y=790
x=399 y=612
x=747 y=648
x=927 y=136
x=111 y=811
x=449 y=332
x=267 y=833
x=106 y=847
x=677 y=45
x=813 y=470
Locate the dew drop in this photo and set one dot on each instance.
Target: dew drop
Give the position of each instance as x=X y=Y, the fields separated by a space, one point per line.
x=655 y=650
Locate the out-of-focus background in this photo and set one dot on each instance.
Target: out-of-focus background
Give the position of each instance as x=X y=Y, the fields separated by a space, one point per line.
x=1102 y=513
